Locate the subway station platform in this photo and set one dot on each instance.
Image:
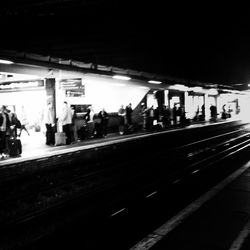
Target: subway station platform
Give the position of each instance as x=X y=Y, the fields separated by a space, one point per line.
x=218 y=220
x=34 y=147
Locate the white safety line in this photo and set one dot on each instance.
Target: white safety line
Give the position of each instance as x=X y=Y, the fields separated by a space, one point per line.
x=196 y=171
x=117 y=212
x=151 y=194
x=237 y=244
x=171 y=224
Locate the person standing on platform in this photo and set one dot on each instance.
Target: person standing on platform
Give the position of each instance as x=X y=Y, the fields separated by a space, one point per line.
x=89 y=118
x=4 y=126
x=49 y=120
x=213 y=112
x=151 y=117
x=129 y=112
x=174 y=112
x=14 y=125
x=121 y=114
x=224 y=112
x=103 y=115
x=66 y=120
x=144 y=114
x=24 y=121
x=74 y=125
x=166 y=116
x=203 y=114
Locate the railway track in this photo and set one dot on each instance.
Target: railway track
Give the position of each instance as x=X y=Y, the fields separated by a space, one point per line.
x=116 y=185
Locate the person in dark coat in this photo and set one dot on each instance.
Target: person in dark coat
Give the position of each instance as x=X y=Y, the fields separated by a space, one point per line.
x=213 y=112
x=103 y=115
x=175 y=114
x=89 y=119
x=151 y=117
x=224 y=112
x=144 y=114
x=14 y=125
x=166 y=116
x=129 y=112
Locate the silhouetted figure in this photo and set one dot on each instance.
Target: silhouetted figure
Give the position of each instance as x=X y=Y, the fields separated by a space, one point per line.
x=89 y=118
x=213 y=112
x=166 y=116
x=224 y=112
x=14 y=124
x=174 y=114
x=203 y=112
x=103 y=115
x=151 y=116
x=144 y=114
x=129 y=112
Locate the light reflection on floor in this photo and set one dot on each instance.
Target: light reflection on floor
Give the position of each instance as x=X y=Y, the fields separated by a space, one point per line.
x=33 y=144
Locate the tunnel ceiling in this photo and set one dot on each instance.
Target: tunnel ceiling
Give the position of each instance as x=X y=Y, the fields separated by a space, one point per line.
x=202 y=43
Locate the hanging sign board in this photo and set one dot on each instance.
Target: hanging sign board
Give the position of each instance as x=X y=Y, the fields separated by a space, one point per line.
x=73 y=87
x=21 y=85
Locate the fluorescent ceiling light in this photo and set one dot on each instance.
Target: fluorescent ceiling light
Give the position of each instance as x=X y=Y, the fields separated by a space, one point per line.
x=179 y=87
x=119 y=77
x=154 y=82
x=5 y=61
x=212 y=92
x=197 y=89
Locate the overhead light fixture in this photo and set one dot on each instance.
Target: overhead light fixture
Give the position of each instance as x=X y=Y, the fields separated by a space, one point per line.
x=212 y=92
x=248 y=85
x=197 y=89
x=179 y=87
x=5 y=61
x=154 y=82
x=119 y=77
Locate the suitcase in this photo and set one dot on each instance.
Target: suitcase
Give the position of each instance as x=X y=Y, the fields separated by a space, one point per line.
x=60 y=138
x=15 y=147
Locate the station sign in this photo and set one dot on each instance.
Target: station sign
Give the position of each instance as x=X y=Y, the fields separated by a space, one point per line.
x=73 y=87
x=18 y=85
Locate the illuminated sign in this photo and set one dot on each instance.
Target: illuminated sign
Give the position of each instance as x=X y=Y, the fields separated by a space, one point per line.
x=71 y=83
x=75 y=93
x=73 y=87
x=21 y=85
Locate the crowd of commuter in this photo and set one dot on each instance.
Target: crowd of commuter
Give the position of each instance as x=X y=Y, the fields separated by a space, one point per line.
x=95 y=124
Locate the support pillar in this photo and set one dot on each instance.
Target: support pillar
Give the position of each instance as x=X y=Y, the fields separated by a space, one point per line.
x=51 y=92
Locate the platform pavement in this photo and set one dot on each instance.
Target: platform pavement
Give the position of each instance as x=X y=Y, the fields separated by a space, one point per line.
x=34 y=146
x=219 y=220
